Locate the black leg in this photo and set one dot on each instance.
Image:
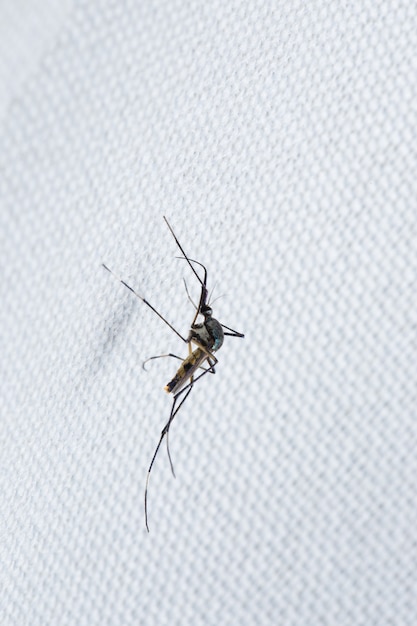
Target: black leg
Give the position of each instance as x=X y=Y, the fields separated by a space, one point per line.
x=165 y=430
x=160 y=356
x=180 y=358
x=146 y=302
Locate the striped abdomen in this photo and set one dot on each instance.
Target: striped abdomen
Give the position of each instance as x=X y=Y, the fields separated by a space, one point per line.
x=186 y=370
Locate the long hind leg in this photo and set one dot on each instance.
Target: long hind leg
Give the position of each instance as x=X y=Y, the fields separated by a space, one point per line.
x=165 y=430
x=180 y=358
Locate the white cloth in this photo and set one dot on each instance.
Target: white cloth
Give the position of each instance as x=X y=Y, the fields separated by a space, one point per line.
x=279 y=139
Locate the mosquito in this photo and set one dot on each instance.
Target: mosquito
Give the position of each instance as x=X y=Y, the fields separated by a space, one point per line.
x=204 y=339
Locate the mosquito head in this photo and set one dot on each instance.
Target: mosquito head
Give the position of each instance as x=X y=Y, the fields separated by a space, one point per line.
x=206 y=311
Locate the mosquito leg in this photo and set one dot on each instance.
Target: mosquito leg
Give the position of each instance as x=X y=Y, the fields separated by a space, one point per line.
x=188 y=388
x=168 y=424
x=233 y=333
x=164 y=432
x=146 y=302
x=180 y=358
x=161 y=356
x=174 y=411
x=203 y=283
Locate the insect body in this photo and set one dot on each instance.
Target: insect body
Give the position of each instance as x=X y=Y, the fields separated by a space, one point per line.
x=186 y=370
x=209 y=336
x=206 y=336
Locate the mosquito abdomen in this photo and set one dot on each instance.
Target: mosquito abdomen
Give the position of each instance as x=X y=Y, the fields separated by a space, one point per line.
x=185 y=370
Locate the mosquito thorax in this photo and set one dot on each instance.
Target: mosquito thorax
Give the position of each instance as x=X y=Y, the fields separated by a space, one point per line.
x=216 y=333
x=209 y=334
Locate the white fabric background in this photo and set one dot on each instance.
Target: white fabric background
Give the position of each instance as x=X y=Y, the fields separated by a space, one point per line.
x=279 y=138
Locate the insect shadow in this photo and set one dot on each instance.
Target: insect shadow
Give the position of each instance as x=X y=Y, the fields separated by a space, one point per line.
x=204 y=339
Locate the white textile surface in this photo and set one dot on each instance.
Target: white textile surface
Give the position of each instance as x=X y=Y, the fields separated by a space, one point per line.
x=279 y=139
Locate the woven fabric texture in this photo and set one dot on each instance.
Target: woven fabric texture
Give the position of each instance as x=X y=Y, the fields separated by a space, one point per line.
x=279 y=140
